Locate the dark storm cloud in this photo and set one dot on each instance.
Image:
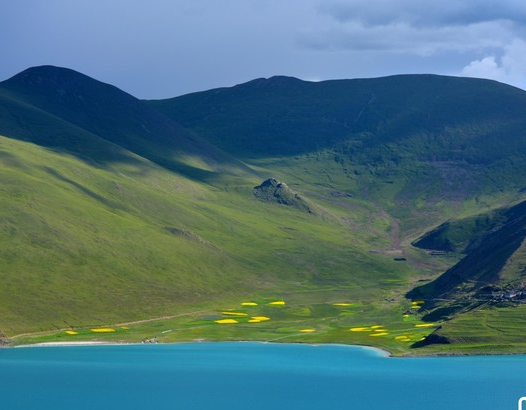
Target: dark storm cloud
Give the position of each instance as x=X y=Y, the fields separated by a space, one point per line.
x=425 y=13
x=421 y=27
x=406 y=39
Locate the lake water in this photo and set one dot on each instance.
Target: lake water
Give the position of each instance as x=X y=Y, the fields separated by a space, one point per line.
x=253 y=376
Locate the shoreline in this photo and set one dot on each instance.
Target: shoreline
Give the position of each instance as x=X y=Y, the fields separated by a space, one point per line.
x=59 y=344
x=379 y=351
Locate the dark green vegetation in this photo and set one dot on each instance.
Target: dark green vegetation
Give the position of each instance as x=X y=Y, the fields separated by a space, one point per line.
x=116 y=210
x=493 y=269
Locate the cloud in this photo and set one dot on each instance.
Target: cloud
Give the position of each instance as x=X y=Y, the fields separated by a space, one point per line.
x=403 y=38
x=486 y=38
x=487 y=67
x=424 y=13
x=418 y=27
x=509 y=68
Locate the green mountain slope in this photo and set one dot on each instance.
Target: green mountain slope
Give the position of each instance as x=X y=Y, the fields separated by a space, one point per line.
x=412 y=143
x=413 y=150
x=494 y=259
x=88 y=111
x=100 y=224
x=453 y=118
x=84 y=246
x=116 y=209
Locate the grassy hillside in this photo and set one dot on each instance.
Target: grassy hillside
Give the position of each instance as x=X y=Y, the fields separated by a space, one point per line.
x=413 y=150
x=283 y=116
x=424 y=147
x=84 y=246
x=493 y=261
x=113 y=213
x=486 y=330
x=462 y=235
x=60 y=108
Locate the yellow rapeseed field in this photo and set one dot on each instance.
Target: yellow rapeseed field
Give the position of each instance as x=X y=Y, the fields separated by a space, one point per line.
x=234 y=314
x=226 y=321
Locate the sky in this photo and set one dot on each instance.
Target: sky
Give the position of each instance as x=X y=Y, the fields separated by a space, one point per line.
x=165 y=48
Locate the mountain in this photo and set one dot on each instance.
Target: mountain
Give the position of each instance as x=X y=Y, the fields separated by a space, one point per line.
x=420 y=149
x=286 y=116
x=452 y=118
x=119 y=210
x=112 y=212
x=422 y=140
x=65 y=110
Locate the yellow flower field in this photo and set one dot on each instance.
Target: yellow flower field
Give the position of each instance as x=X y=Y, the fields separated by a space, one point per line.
x=226 y=321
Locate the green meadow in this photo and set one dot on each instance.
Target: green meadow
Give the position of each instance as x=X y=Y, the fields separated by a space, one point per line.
x=108 y=245
x=291 y=319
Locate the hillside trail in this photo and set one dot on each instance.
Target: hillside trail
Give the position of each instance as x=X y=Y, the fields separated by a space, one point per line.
x=395 y=234
x=135 y=322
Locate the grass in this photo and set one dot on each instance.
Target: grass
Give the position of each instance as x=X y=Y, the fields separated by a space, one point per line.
x=115 y=215
x=483 y=331
x=295 y=321
x=114 y=244
x=92 y=232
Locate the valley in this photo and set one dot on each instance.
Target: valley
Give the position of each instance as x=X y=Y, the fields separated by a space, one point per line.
x=154 y=219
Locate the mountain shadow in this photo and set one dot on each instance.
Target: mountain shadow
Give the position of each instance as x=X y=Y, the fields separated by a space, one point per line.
x=492 y=259
x=89 y=113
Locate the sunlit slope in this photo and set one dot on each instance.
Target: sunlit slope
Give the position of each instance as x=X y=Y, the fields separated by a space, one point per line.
x=82 y=245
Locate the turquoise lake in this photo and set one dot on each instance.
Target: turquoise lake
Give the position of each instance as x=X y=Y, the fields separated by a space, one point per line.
x=253 y=376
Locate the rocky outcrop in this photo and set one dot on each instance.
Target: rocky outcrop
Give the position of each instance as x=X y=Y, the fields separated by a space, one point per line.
x=273 y=190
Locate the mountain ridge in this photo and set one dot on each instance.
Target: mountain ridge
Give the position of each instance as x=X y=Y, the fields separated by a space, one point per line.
x=348 y=105
x=111 y=114
x=430 y=137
